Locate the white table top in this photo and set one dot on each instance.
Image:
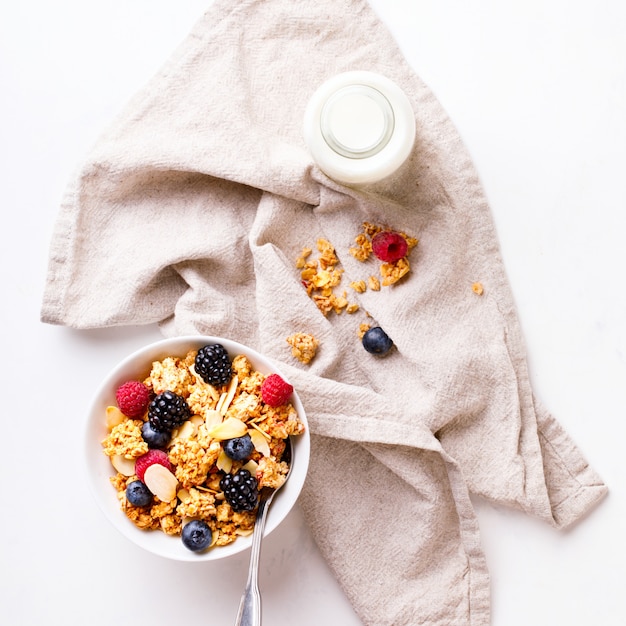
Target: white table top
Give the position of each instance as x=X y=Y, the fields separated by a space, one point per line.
x=538 y=92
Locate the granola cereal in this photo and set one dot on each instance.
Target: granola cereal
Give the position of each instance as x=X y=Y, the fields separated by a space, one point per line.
x=478 y=289
x=125 y=440
x=321 y=276
x=196 y=449
x=303 y=346
x=373 y=283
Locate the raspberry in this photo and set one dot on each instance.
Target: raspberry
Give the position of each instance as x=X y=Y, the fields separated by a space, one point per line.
x=133 y=398
x=275 y=391
x=150 y=458
x=389 y=246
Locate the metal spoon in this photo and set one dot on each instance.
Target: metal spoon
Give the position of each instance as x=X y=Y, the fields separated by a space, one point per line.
x=249 y=613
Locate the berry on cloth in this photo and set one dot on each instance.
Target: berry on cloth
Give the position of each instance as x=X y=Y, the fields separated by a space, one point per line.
x=377 y=341
x=132 y=398
x=213 y=365
x=138 y=494
x=150 y=458
x=167 y=411
x=240 y=490
x=239 y=448
x=389 y=246
x=196 y=535
x=275 y=391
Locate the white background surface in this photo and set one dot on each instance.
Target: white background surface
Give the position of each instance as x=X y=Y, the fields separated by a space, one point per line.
x=538 y=92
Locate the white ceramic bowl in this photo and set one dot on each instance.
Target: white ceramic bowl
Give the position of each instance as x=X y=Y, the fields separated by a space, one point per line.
x=99 y=468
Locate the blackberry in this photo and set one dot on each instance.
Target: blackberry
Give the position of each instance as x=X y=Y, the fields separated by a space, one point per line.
x=240 y=490
x=167 y=411
x=213 y=365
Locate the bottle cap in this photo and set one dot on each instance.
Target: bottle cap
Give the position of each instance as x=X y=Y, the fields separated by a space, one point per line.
x=359 y=127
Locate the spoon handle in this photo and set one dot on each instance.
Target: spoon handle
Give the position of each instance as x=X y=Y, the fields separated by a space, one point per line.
x=249 y=613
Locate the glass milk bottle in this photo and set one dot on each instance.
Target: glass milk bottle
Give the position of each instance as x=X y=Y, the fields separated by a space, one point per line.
x=359 y=127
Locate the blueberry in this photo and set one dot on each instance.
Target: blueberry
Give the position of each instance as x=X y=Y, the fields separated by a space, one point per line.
x=239 y=448
x=154 y=438
x=376 y=341
x=196 y=535
x=138 y=494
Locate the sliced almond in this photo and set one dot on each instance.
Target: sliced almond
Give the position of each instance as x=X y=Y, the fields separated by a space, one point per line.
x=220 y=402
x=257 y=427
x=184 y=495
x=196 y=420
x=230 y=394
x=124 y=466
x=229 y=428
x=114 y=417
x=251 y=466
x=186 y=430
x=224 y=462
x=213 y=418
x=161 y=482
x=259 y=442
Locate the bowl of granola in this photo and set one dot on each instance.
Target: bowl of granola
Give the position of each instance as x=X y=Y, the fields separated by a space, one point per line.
x=181 y=437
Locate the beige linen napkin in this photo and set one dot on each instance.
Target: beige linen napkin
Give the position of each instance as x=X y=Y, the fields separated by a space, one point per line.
x=191 y=211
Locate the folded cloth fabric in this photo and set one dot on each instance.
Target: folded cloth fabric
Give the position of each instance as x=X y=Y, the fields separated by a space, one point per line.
x=191 y=211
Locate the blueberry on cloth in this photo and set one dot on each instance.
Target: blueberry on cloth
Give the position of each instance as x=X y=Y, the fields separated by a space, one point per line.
x=196 y=535
x=138 y=494
x=377 y=341
x=239 y=448
x=154 y=438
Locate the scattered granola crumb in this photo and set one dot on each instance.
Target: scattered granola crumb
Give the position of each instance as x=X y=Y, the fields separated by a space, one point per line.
x=303 y=346
x=373 y=283
x=363 y=328
x=359 y=286
x=393 y=272
x=363 y=248
x=478 y=289
x=304 y=255
x=320 y=277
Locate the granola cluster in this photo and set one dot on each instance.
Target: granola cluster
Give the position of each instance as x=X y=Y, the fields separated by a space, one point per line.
x=196 y=449
x=303 y=346
x=390 y=272
x=320 y=277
